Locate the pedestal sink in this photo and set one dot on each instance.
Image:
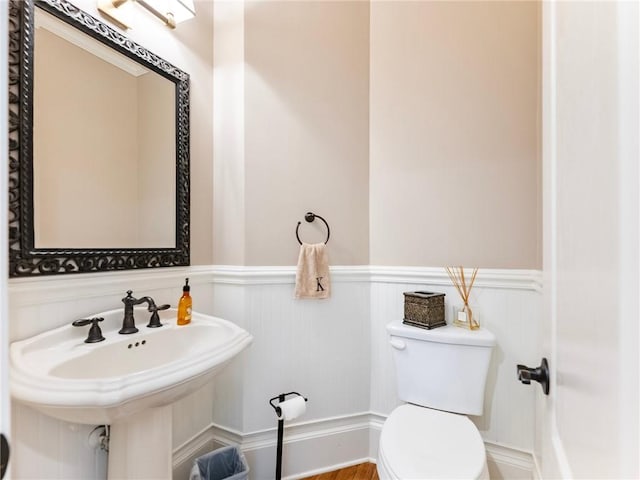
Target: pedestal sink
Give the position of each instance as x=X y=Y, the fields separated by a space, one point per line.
x=126 y=381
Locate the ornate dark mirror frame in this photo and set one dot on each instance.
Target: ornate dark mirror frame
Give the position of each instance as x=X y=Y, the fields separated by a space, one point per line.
x=24 y=258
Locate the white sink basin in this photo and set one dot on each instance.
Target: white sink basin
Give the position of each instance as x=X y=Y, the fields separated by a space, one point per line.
x=99 y=383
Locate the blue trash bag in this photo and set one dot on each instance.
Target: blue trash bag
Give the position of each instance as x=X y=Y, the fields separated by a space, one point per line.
x=227 y=463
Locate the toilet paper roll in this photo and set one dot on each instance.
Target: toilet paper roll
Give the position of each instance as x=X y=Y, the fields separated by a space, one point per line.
x=293 y=408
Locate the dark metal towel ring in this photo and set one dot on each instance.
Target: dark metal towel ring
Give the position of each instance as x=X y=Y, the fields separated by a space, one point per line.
x=310 y=217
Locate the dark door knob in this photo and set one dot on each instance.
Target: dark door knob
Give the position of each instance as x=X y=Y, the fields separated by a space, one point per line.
x=4 y=455
x=539 y=374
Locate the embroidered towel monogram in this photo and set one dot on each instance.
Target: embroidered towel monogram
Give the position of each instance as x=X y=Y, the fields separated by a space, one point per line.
x=312 y=275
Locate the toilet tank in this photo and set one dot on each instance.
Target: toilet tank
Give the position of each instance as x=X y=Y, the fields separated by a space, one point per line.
x=444 y=368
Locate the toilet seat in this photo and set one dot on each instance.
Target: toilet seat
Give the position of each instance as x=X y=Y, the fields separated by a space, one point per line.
x=419 y=443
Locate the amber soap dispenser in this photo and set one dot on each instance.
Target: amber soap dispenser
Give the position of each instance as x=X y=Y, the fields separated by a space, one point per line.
x=184 y=305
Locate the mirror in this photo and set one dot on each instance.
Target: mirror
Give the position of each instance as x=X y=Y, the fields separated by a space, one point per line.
x=99 y=147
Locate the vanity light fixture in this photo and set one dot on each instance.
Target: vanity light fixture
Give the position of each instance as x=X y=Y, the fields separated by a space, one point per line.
x=171 y=12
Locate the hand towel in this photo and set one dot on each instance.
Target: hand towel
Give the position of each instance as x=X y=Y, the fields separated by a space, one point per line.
x=312 y=275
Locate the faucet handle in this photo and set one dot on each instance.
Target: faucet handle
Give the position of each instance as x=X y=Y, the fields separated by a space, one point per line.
x=154 y=321
x=95 y=334
x=129 y=298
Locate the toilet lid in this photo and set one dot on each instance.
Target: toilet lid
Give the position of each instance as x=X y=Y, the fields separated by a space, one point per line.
x=419 y=443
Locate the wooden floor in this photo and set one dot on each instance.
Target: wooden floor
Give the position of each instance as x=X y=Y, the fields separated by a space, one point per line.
x=364 y=471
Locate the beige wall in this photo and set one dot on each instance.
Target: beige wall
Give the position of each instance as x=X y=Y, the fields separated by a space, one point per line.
x=228 y=134
x=307 y=128
x=304 y=120
x=455 y=170
x=412 y=127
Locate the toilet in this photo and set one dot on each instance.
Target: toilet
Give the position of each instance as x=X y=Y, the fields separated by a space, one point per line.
x=441 y=375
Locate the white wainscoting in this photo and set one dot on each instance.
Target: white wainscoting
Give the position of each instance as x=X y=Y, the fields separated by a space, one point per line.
x=334 y=352
x=318 y=348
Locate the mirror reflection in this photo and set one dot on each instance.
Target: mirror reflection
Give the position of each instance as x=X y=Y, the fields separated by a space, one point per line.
x=104 y=145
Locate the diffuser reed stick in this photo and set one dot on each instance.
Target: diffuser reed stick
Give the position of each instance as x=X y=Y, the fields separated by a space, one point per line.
x=465 y=316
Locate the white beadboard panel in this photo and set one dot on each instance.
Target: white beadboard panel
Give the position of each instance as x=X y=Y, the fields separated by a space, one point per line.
x=296 y=346
x=228 y=394
x=42 y=303
x=229 y=303
x=319 y=348
x=45 y=448
x=44 y=289
x=191 y=413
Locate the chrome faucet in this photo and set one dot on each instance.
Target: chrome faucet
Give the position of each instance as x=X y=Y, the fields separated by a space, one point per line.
x=128 y=322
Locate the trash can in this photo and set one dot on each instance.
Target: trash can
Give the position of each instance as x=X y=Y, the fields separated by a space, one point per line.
x=226 y=463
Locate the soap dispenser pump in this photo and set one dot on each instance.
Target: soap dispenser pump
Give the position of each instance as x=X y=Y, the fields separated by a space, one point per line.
x=184 y=305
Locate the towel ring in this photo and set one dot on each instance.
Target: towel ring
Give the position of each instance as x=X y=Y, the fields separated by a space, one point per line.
x=310 y=217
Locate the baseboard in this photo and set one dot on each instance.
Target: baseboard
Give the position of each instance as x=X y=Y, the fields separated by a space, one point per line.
x=509 y=463
x=184 y=455
x=320 y=446
x=537 y=472
x=186 y=452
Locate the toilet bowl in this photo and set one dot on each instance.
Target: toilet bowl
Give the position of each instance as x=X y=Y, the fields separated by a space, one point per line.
x=441 y=374
x=419 y=443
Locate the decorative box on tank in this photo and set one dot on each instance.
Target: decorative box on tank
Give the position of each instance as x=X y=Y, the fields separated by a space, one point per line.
x=424 y=309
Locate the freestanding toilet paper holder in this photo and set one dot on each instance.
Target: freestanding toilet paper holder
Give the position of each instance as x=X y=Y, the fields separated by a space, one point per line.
x=281 y=398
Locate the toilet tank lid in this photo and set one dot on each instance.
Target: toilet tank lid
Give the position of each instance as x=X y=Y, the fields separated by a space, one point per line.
x=447 y=334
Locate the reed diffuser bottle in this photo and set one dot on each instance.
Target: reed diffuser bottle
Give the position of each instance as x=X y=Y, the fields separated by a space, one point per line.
x=465 y=317
x=184 y=305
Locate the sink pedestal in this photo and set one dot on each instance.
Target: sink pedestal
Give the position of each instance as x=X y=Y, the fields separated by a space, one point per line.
x=140 y=446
